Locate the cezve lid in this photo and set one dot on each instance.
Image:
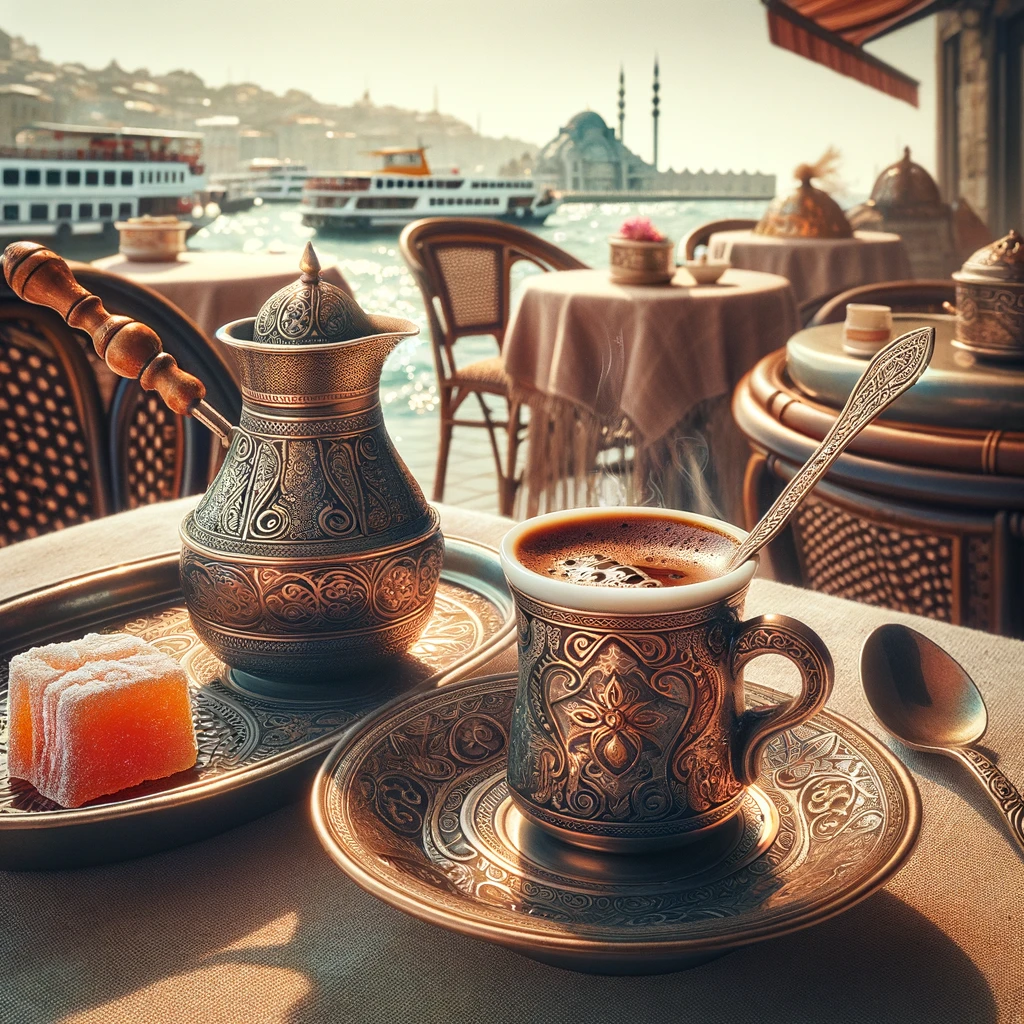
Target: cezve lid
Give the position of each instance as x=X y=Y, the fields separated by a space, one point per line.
x=1002 y=260
x=310 y=311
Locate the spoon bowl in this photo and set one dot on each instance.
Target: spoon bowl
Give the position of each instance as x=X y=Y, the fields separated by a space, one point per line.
x=925 y=698
x=919 y=692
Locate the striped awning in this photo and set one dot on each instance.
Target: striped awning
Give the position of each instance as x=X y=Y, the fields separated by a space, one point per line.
x=833 y=32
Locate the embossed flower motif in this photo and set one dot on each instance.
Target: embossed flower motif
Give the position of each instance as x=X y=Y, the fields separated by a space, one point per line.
x=618 y=723
x=397 y=587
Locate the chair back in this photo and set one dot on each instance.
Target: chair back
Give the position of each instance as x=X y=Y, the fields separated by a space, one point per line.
x=902 y=296
x=463 y=269
x=702 y=235
x=79 y=442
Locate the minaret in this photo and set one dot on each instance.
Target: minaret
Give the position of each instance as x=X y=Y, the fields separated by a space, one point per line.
x=654 y=111
x=622 y=102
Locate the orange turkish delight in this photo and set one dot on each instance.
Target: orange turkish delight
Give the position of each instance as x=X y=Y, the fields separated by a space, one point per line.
x=94 y=716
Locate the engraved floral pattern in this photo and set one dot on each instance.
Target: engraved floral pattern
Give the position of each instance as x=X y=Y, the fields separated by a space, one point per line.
x=461 y=865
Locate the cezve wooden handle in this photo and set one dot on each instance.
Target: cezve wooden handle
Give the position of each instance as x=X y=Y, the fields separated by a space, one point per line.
x=129 y=348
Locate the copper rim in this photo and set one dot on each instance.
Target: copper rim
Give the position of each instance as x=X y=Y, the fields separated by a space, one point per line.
x=119 y=578
x=536 y=942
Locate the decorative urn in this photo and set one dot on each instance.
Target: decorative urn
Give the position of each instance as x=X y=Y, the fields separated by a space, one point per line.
x=641 y=254
x=314 y=550
x=990 y=301
x=906 y=201
x=808 y=212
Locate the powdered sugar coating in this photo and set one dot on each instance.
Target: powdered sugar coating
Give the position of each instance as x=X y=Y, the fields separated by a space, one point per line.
x=92 y=716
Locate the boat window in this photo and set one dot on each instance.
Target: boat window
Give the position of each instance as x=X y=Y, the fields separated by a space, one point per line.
x=124 y=210
x=127 y=177
x=106 y=210
x=379 y=183
x=92 y=177
x=391 y=182
x=39 y=211
x=110 y=177
x=32 y=177
x=11 y=211
x=53 y=177
x=420 y=183
x=64 y=211
x=12 y=176
x=73 y=178
x=85 y=211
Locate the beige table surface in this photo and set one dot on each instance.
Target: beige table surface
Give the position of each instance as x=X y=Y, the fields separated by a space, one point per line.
x=259 y=925
x=817 y=267
x=214 y=288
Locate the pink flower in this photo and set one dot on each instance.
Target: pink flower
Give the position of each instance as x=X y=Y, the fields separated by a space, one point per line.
x=640 y=229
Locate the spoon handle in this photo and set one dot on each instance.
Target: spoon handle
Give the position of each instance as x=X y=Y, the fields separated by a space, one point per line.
x=893 y=370
x=1000 y=789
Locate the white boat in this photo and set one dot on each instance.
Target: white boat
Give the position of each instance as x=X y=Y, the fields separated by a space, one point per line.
x=404 y=189
x=64 y=180
x=277 y=181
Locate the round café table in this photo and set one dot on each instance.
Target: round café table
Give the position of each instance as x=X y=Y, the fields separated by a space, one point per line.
x=816 y=267
x=925 y=511
x=646 y=367
x=214 y=288
x=259 y=925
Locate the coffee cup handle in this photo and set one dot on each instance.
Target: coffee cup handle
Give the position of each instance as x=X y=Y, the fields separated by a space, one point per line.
x=778 y=634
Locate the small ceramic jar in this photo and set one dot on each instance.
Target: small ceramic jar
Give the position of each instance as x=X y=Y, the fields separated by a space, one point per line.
x=635 y=262
x=152 y=239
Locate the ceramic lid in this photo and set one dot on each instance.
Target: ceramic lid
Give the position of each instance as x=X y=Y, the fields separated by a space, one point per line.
x=808 y=212
x=310 y=311
x=905 y=188
x=1002 y=260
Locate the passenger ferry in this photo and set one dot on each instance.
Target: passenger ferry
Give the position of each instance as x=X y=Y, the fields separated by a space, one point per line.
x=277 y=181
x=64 y=180
x=404 y=190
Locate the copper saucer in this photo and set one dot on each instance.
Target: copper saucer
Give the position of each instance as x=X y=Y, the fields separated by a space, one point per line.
x=413 y=806
x=258 y=745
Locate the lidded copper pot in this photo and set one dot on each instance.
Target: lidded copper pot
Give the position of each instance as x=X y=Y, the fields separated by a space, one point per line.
x=807 y=212
x=990 y=301
x=314 y=550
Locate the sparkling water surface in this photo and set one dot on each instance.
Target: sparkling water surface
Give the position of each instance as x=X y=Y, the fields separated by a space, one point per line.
x=373 y=266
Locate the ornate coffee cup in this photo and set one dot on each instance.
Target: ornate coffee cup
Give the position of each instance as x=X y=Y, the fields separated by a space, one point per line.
x=630 y=730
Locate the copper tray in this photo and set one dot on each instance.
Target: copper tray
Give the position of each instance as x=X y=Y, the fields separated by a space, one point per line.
x=413 y=805
x=258 y=747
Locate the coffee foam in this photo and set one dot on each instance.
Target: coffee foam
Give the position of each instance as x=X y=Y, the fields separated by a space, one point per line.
x=662 y=551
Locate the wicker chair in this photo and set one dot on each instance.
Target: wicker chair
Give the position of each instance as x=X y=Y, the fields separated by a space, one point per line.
x=463 y=269
x=702 y=235
x=902 y=296
x=78 y=442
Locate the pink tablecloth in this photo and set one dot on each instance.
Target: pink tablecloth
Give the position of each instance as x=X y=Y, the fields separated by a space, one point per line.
x=214 y=288
x=816 y=267
x=589 y=356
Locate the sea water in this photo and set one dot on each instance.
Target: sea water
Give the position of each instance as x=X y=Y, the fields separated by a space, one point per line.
x=373 y=266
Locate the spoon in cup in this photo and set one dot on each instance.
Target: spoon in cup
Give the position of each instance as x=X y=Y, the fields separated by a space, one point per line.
x=893 y=370
x=924 y=698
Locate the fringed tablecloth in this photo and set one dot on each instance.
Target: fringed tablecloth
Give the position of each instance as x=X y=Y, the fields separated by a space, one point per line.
x=817 y=267
x=628 y=386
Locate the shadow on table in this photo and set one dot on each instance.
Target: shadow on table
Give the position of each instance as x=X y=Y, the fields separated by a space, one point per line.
x=258 y=925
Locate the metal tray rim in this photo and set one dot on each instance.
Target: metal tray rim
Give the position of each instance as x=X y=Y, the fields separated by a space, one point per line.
x=197 y=792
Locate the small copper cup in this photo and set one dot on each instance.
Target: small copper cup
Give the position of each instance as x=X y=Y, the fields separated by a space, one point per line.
x=630 y=731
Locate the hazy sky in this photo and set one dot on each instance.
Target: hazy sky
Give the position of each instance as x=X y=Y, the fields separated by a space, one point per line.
x=729 y=99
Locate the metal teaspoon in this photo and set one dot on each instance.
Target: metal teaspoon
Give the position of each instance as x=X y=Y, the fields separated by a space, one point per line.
x=892 y=370
x=924 y=698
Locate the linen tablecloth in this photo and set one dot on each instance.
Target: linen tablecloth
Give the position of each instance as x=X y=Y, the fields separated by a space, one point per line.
x=258 y=925
x=817 y=267
x=591 y=357
x=214 y=288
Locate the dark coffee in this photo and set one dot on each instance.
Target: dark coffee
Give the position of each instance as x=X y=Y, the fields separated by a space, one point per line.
x=601 y=550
